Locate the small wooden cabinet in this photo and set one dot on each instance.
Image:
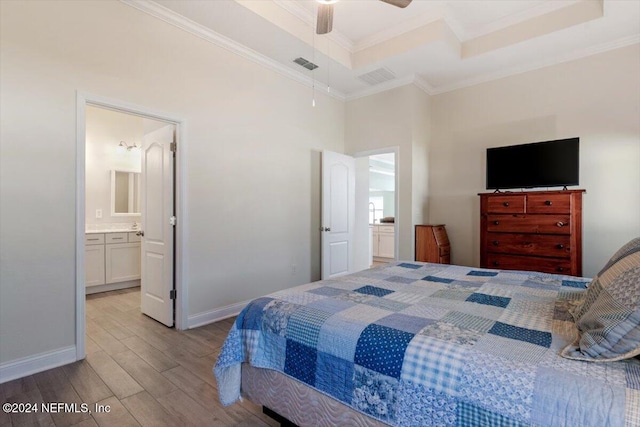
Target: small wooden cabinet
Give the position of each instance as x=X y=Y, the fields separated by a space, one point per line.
x=532 y=231
x=432 y=244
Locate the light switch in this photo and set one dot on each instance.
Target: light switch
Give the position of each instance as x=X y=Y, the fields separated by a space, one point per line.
x=98 y=213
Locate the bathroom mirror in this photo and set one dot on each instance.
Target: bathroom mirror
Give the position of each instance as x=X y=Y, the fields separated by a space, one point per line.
x=125 y=193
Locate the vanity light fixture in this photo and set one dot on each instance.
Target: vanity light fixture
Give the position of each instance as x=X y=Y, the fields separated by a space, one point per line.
x=124 y=146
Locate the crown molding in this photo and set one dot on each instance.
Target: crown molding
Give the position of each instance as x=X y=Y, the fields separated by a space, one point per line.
x=167 y=15
x=582 y=53
x=308 y=18
x=423 y=84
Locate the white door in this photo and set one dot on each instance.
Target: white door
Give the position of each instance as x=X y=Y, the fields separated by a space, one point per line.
x=338 y=213
x=157 y=216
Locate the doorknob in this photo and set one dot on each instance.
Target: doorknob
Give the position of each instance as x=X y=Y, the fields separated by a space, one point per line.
x=325 y=229
x=140 y=233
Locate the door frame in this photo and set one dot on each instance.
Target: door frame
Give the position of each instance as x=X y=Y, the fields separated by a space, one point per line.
x=396 y=150
x=83 y=100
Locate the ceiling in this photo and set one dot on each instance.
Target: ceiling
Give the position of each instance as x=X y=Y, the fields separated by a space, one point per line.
x=440 y=45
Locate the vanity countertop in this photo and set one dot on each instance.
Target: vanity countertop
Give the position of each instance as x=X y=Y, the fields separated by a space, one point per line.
x=112 y=230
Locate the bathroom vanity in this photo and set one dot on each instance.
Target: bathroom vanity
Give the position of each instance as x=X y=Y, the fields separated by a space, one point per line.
x=112 y=260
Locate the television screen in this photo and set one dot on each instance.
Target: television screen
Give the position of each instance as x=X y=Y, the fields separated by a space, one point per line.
x=541 y=164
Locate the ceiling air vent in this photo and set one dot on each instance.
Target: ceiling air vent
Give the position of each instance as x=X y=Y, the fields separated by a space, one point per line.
x=306 y=64
x=378 y=76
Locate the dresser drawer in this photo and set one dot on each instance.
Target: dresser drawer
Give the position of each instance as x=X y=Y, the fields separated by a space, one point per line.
x=94 y=239
x=116 y=238
x=545 y=245
x=445 y=260
x=529 y=263
x=440 y=234
x=444 y=250
x=549 y=203
x=386 y=228
x=543 y=224
x=506 y=204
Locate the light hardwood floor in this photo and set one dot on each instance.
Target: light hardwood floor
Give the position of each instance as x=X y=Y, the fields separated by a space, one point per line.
x=148 y=374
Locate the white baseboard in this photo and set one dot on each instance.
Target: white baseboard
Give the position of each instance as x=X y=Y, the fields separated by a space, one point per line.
x=215 y=315
x=33 y=364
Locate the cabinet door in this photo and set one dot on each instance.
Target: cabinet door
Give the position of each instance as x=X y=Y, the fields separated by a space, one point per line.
x=94 y=265
x=386 y=243
x=122 y=262
x=376 y=242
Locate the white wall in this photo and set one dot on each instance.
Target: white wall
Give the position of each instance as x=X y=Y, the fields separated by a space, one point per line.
x=596 y=98
x=105 y=130
x=395 y=118
x=251 y=154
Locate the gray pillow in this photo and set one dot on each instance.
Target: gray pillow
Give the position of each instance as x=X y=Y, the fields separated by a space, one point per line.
x=608 y=318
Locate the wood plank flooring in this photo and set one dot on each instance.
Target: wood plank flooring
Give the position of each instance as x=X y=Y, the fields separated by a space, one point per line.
x=148 y=374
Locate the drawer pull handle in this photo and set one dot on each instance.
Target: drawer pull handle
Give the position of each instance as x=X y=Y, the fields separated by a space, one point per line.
x=506 y=204
x=116 y=238
x=496 y=222
x=548 y=202
x=93 y=239
x=560 y=223
x=560 y=269
x=496 y=263
x=495 y=243
x=560 y=246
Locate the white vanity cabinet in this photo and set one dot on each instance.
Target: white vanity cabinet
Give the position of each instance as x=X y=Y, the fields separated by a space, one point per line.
x=384 y=241
x=111 y=258
x=94 y=259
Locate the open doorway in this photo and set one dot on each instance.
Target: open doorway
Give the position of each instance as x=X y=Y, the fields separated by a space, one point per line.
x=126 y=221
x=382 y=208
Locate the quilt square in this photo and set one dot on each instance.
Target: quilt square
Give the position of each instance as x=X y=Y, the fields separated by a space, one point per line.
x=460 y=294
x=473 y=415
x=575 y=284
x=500 y=385
x=434 y=363
x=339 y=336
x=251 y=316
x=542 y=339
x=331 y=305
x=387 y=304
x=422 y=406
x=276 y=316
x=510 y=349
x=554 y=389
x=327 y=291
x=373 y=290
x=334 y=376
x=381 y=349
x=400 y=279
x=375 y=394
x=402 y=322
x=273 y=351
x=407 y=265
x=482 y=273
x=300 y=362
x=496 y=301
x=469 y=321
x=304 y=325
x=437 y=279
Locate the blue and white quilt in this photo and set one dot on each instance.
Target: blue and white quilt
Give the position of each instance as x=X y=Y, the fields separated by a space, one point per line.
x=415 y=344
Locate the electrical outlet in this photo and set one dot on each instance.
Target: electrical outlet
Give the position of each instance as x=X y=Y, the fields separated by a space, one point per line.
x=98 y=213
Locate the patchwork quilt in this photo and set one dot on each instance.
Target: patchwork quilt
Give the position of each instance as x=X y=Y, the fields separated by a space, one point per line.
x=413 y=344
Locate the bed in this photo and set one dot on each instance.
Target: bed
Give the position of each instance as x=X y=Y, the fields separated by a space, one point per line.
x=410 y=343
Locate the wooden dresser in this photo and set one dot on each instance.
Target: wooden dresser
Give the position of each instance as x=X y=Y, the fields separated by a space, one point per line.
x=533 y=231
x=432 y=244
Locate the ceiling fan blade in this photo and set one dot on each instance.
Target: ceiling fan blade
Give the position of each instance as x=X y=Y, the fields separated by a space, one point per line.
x=398 y=3
x=325 y=18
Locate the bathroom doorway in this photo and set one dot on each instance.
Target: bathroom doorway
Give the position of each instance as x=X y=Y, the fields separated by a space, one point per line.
x=382 y=208
x=127 y=221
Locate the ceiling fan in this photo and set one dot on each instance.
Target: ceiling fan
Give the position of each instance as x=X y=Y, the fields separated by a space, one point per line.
x=325 y=13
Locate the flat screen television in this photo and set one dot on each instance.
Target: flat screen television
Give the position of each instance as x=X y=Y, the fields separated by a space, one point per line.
x=540 y=164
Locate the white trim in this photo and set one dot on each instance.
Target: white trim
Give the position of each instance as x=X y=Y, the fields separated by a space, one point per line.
x=82 y=100
x=25 y=366
x=175 y=19
x=216 y=314
x=578 y=54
